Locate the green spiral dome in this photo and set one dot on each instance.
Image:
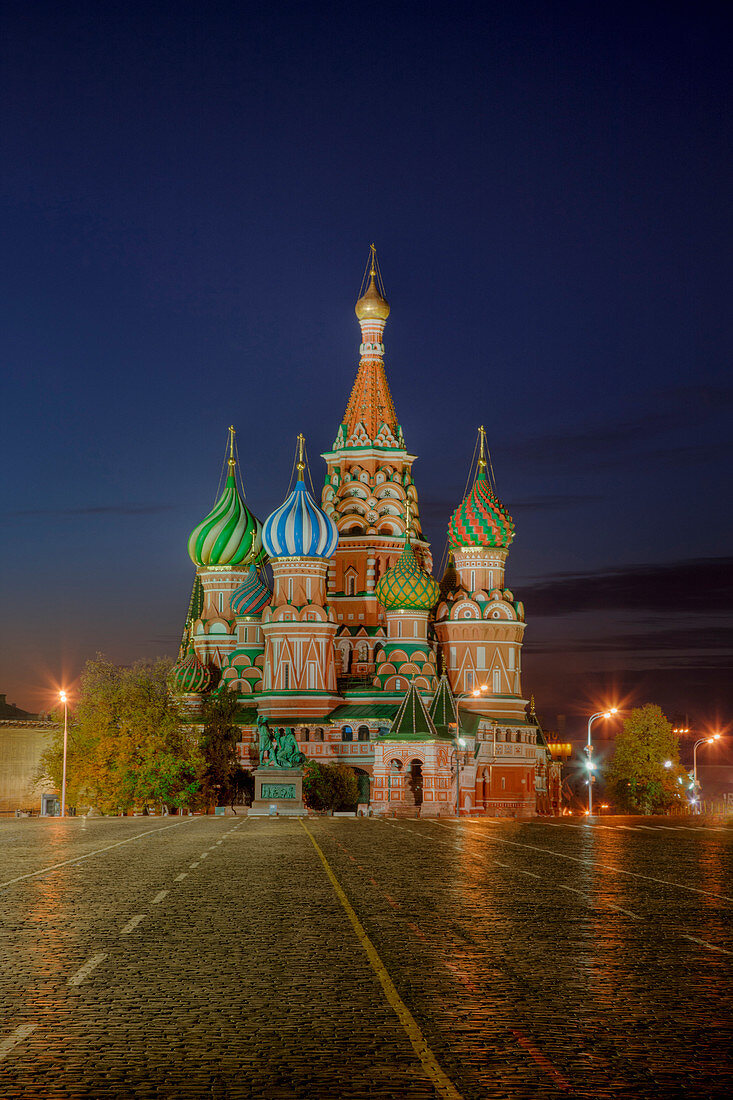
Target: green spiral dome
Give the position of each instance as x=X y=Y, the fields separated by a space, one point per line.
x=189 y=675
x=230 y=534
x=407 y=587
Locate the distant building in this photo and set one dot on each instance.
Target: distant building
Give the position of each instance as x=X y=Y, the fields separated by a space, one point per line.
x=23 y=739
x=356 y=646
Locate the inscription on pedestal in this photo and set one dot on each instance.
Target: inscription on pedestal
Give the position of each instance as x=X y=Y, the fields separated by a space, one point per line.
x=278 y=790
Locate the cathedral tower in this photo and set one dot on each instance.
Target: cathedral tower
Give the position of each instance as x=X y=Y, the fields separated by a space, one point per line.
x=222 y=547
x=367 y=489
x=299 y=626
x=408 y=594
x=478 y=622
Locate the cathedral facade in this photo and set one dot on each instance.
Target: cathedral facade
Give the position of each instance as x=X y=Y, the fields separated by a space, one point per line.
x=415 y=684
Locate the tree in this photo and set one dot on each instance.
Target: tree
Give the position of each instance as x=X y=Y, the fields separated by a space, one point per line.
x=221 y=779
x=329 y=786
x=637 y=776
x=127 y=745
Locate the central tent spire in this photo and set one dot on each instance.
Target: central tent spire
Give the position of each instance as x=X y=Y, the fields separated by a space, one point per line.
x=370 y=418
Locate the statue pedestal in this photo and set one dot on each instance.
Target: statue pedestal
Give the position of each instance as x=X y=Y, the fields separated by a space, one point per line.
x=278 y=791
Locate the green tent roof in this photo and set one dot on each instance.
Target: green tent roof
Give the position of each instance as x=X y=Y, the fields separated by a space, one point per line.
x=412 y=722
x=443 y=709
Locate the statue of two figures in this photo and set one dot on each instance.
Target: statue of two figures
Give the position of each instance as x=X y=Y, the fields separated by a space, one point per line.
x=278 y=751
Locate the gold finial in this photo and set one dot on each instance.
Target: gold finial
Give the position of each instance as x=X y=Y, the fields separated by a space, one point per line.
x=408 y=511
x=482 y=444
x=373 y=259
x=301 y=461
x=232 y=462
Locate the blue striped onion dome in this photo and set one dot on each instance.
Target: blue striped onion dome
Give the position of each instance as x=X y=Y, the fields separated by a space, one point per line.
x=189 y=674
x=252 y=596
x=230 y=534
x=299 y=529
x=407 y=587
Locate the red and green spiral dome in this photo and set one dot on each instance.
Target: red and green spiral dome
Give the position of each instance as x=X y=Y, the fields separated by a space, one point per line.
x=481 y=520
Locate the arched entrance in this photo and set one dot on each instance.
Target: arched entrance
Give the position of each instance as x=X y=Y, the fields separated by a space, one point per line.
x=362 y=779
x=414 y=784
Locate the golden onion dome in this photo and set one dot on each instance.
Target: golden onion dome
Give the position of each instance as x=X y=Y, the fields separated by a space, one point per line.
x=372 y=306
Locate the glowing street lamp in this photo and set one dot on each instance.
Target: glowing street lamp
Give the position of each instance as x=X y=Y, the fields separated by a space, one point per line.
x=702 y=741
x=64 y=699
x=589 y=749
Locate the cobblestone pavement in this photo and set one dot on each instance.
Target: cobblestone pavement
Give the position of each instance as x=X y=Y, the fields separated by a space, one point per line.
x=226 y=957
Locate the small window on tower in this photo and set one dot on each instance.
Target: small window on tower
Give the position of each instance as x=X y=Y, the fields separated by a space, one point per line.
x=286 y=676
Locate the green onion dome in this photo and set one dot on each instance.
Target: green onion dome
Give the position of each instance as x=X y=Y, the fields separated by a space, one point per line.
x=252 y=596
x=407 y=587
x=481 y=520
x=230 y=534
x=189 y=675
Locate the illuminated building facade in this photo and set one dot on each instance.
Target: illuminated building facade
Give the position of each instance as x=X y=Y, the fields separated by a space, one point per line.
x=356 y=646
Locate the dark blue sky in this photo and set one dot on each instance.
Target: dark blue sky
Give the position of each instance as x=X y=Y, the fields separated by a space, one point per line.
x=189 y=192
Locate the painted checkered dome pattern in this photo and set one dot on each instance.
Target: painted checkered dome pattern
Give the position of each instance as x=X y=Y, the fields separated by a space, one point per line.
x=481 y=520
x=189 y=675
x=407 y=587
x=299 y=529
x=230 y=534
x=252 y=596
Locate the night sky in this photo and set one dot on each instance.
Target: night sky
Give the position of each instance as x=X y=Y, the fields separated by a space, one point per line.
x=189 y=191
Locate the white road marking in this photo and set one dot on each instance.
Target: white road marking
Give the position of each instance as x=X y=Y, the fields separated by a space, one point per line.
x=710 y=946
x=78 y=859
x=219 y=842
x=192 y=865
x=84 y=971
x=204 y=855
x=592 y=863
x=609 y=905
x=180 y=878
x=17 y=1036
x=159 y=896
x=132 y=924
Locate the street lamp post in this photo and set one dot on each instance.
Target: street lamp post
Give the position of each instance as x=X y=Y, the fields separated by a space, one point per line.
x=64 y=699
x=702 y=741
x=459 y=743
x=475 y=694
x=589 y=750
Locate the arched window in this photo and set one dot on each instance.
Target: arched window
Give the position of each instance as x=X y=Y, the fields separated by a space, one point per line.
x=319 y=734
x=347 y=734
x=518 y=737
x=306 y=735
x=363 y=733
x=396 y=765
x=350 y=585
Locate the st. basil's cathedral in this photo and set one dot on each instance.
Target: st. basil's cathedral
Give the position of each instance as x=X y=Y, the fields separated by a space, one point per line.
x=356 y=646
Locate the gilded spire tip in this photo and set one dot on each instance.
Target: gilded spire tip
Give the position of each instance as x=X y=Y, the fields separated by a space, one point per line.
x=482 y=445
x=232 y=462
x=301 y=462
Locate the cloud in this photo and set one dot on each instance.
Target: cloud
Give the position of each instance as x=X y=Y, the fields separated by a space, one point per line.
x=697 y=585
x=98 y=510
x=700 y=646
x=637 y=438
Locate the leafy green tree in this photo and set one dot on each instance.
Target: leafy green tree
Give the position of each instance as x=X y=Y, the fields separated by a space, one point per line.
x=220 y=776
x=127 y=744
x=329 y=786
x=637 y=777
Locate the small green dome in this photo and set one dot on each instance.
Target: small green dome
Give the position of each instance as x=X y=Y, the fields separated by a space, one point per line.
x=189 y=675
x=407 y=587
